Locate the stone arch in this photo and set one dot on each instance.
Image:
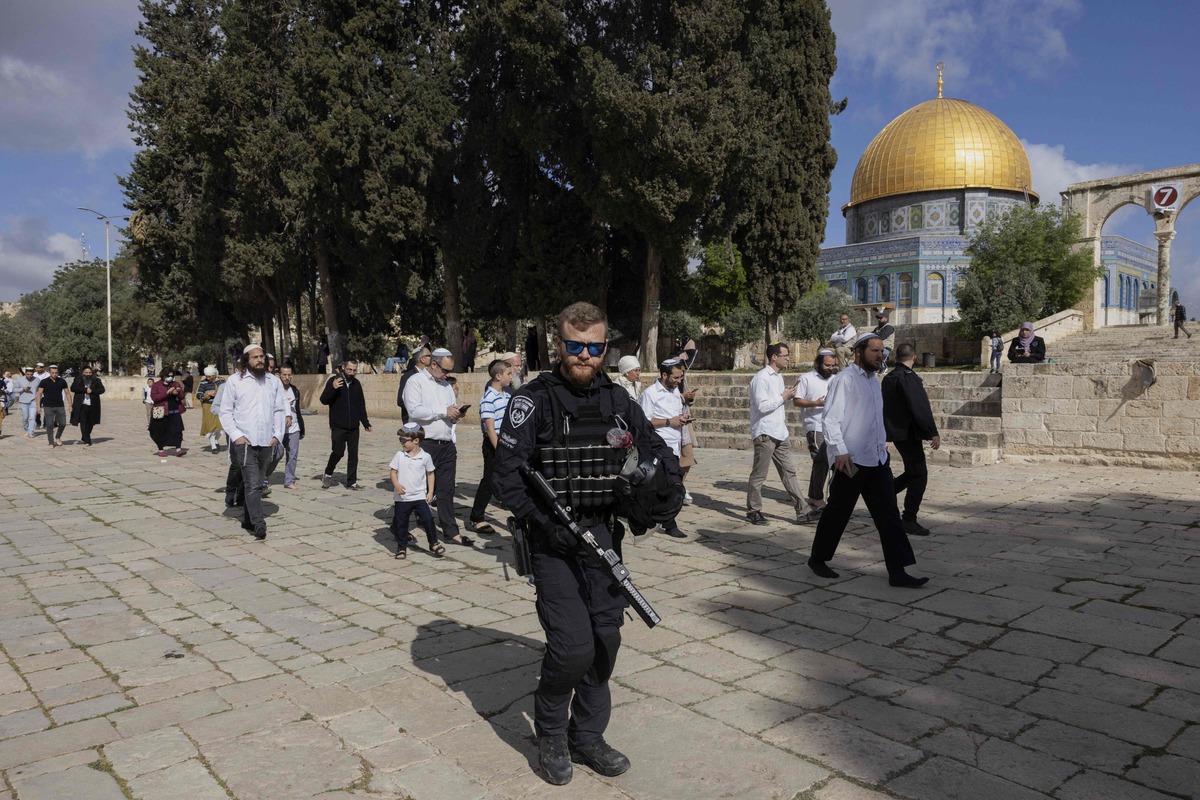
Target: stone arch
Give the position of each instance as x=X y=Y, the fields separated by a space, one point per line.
x=1095 y=201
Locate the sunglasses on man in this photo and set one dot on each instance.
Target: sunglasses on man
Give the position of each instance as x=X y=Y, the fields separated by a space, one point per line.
x=594 y=348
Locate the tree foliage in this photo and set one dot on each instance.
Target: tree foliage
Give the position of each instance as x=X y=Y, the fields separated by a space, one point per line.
x=816 y=315
x=1023 y=267
x=719 y=284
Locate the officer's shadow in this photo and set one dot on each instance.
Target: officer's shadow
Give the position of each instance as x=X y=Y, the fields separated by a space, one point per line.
x=493 y=671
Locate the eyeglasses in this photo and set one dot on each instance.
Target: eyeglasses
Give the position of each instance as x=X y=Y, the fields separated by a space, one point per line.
x=594 y=348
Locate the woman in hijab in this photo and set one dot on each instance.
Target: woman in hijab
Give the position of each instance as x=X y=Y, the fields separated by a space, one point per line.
x=1027 y=348
x=85 y=404
x=629 y=375
x=166 y=413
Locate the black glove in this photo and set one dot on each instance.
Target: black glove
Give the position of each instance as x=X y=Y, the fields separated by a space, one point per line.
x=667 y=504
x=556 y=539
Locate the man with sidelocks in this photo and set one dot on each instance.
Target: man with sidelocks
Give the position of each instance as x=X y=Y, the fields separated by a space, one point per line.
x=856 y=441
x=254 y=416
x=564 y=423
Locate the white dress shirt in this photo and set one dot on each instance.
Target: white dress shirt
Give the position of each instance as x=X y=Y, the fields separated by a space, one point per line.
x=290 y=410
x=426 y=400
x=853 y=419
x=253 y=408
x=843 y=336
x=812 y=386
x=661 y=403
x=767 y=412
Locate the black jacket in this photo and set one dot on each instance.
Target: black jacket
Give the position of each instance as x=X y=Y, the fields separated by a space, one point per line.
x=906 y=411
x=299 y=417
x=528 y=422
x=78 y=392
x=347 y=406
x=1037 y=352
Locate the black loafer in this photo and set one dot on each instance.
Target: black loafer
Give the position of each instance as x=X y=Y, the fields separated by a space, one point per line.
x=675 y=532
x=914 y=528
x=601 y=758
x=757 y=518
x=554 y=760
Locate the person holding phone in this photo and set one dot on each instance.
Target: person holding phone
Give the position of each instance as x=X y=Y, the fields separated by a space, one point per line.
x=856 y=442
x=347 y=410
x=431 y=403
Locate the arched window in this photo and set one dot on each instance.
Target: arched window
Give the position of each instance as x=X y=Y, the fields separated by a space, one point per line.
x=933 y=288
x=860 y=290
x=1104 y=289
x=906 y=290
x=838 y=285
x=883 y=289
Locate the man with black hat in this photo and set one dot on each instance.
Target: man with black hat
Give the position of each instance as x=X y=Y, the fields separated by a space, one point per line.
x=856 y=441
x=888 y=334
x=576 y=427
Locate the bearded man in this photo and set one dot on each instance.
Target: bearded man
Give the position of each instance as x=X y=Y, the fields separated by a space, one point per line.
x=254 y=417
x=564 y=424
x=856 y=441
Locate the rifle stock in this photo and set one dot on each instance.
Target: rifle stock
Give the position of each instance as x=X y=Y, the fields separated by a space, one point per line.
x=606 y=559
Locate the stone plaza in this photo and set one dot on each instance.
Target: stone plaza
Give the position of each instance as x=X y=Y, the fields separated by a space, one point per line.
x=154 y=650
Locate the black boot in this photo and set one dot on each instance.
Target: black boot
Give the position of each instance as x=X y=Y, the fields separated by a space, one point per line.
x=556 y=763
x=601 y=758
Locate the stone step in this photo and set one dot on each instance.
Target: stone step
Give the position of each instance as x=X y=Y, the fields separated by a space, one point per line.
x=977 y=408
x=963 y=392
x=967 y=423
x=964 y=456
x=971 y=439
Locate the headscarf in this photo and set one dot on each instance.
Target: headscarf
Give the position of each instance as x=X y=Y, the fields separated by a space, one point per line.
x=1026 y=341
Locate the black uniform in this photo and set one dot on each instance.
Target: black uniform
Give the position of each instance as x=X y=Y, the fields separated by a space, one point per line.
x=561 y=429
x=908 y=420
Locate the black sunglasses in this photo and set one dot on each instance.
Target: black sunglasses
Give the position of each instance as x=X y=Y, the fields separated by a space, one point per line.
x=593 y=348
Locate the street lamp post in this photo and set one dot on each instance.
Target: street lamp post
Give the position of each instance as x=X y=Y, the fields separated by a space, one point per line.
x=107 y=272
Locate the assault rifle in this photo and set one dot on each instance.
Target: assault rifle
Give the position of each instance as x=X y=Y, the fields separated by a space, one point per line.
x=606 y=559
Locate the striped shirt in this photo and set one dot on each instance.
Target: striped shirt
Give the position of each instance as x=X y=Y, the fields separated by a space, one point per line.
x=492 y=406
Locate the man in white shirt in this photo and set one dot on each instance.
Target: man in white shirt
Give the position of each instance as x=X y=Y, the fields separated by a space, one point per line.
x=810 y=398
x=253 y=415
x=842 y=340
x=430 y=402
x=857 y=445
x=768 y=429
x=663 y=406
x=40 y=374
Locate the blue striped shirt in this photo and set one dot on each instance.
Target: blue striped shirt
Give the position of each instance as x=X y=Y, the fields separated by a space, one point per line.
x=492 y=407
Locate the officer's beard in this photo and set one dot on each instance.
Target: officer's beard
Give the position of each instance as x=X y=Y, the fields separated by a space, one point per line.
x=580 y=374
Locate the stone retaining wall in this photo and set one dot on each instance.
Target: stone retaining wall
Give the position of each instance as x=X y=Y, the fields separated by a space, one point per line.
x=1103 y=413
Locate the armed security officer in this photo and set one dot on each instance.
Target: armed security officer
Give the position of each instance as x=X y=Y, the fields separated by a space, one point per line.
x=563 y=423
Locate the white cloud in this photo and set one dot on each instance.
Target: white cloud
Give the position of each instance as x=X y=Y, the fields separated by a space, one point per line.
x=900 y=41
x=1053 y=172
x=29 y=256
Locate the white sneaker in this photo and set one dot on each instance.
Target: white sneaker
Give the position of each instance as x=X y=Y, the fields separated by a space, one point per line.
x=687 y=497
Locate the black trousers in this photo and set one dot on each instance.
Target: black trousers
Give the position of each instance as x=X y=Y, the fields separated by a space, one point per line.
x=915 y=476
x=581 y=615
x=445 y=478
x=878 y=491
x=820 y=467
x=343 y=439
x=405 y=509
x=483 y=494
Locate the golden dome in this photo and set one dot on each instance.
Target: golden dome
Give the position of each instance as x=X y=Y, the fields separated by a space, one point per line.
x=941 y=144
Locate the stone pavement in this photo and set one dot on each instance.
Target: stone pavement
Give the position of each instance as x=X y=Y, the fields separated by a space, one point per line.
x=153 y=650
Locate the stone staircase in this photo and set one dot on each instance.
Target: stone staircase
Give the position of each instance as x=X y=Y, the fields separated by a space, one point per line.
x=966 y=407
x=1122 y=343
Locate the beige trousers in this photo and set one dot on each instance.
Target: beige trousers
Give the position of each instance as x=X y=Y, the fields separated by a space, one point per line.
x=767 y=450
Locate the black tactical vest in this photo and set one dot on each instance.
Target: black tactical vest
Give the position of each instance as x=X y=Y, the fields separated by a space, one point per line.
x=579 y=462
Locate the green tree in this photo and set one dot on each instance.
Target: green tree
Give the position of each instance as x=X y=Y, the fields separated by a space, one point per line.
x=815 y=315
x=1023 y=267
x=719 y=284
x=781 y=193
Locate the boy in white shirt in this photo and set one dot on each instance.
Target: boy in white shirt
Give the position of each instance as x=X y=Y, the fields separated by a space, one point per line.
x=412 y=481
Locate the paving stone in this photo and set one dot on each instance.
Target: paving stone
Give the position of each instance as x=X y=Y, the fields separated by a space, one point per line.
x=1151 y=730
x=673 y=684
x=1039 y=646
x=1100 y=685
x=895 y=722
x=843 y=747
x=79 y=781
x=841 y=789
x=1151 y=670
x=748 y=711
x=944 y=778
x=56 y=741
x=295 y=760
x=969 y=712
x=1000 y=691
x=1098 y=786
x=1025 y=669
x=711 y=662
x=240 y=721
x=188 y=779
x=976 y=607
x=1169 y=773
x=1079 y=746
x=149 y=752
x=1089 y=628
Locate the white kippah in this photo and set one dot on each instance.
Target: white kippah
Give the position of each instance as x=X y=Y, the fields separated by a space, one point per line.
x=250 y=347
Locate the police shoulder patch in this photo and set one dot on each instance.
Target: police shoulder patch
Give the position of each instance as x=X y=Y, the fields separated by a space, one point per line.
x=520 y=409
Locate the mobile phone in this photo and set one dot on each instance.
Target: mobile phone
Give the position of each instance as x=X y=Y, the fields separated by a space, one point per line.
x=853 y=469
x=463 y=409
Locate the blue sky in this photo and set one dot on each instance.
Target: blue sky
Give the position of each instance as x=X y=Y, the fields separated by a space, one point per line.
x=1093 y=89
